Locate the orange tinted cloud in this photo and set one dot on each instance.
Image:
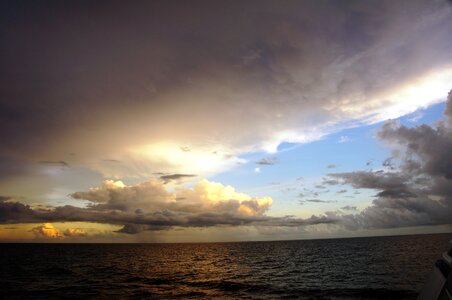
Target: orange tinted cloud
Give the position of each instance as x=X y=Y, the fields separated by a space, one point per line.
x=47 y=230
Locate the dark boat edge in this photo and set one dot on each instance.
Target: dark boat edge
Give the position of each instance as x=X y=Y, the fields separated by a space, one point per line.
x=439 y=284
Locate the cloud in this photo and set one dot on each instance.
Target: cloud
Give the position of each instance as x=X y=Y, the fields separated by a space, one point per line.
x=264 y=75
x=348 y=207
x=137 y=228
x=417 y=192
x=11 y=211
x=5 y=198
x=427 y=148
x=149 y=206
x=330 y=181
x=175 y=177
x=267 y=161
x=47 y=230
x=149 y=203
x=388 y=163
x=448 y=111
x=75 y=232
x=318 y=201
x=370 y=179
x=277 y=73
x=343 y=139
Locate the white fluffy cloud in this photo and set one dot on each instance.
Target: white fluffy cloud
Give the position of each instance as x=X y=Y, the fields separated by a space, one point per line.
x=148 y=197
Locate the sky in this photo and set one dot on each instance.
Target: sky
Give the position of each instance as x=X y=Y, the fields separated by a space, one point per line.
x=199 y=121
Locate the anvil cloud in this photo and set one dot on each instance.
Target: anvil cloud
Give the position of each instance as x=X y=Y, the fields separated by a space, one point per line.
x=189 y=87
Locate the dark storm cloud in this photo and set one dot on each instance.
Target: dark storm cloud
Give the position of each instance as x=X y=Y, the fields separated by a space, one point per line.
x=427 y=148
x=137 y=228
x=396 y=193
x=76 y=73
x=398 y=212
x=371 y=179
x=399 y=202
x=419 y=191
x=389 y=163
x=15 y=212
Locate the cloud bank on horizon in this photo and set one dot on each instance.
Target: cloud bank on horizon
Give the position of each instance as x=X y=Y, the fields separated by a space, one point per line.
x=151 y=94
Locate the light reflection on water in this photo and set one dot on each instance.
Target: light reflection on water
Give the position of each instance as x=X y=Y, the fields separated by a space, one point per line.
x=361 y=268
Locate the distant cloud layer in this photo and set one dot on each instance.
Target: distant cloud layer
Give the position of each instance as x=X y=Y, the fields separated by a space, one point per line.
x=148 y=205
x=49 y=231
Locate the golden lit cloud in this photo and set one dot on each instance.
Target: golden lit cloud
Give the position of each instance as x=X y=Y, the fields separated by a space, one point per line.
x=146 y=197
x=211 y=196
x=47 y=230
x=70 y=232
x=61 y=232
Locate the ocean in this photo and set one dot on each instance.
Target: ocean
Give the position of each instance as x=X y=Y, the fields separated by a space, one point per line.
x=392 y=267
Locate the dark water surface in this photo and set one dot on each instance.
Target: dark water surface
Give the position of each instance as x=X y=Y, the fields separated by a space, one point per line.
x=358 y=268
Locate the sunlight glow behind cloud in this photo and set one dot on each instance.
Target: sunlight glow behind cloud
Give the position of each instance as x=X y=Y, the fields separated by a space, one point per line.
x=152 y=104
x=419 y=93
